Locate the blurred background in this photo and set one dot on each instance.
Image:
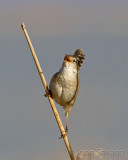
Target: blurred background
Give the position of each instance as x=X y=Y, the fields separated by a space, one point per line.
x=28 y=129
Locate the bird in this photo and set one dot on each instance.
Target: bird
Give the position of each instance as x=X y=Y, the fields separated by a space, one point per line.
x=64 y=85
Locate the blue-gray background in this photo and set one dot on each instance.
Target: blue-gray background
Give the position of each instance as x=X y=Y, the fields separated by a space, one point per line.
x=28 y=130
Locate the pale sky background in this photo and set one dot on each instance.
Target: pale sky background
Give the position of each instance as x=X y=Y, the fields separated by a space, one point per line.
x=99 y=118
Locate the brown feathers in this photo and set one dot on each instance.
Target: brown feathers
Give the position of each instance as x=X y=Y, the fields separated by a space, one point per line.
x=79 y=55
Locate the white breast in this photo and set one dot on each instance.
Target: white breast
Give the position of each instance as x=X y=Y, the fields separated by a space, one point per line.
x=63 y=85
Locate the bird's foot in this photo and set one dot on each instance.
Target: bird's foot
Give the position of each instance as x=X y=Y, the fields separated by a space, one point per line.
x=66 y=129
x=63 y=134
x=48 y=93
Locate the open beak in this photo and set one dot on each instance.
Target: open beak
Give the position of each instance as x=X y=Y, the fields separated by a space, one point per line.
x=67 y=58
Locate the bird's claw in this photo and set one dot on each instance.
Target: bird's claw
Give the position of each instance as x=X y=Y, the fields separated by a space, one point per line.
x=48 y=93
x=66 y=129
x=63 y=134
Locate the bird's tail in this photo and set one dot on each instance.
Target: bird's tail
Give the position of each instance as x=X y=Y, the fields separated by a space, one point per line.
x=79 y=55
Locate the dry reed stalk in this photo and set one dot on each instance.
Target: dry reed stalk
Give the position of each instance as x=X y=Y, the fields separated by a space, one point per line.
x=57 y=117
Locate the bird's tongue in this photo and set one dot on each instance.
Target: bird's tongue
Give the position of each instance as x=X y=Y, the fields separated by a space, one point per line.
x=68 y=59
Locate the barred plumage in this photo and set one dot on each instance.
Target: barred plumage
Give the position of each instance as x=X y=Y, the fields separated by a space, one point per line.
x=79 y=55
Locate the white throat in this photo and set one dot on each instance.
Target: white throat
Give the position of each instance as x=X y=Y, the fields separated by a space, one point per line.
x=68 y=69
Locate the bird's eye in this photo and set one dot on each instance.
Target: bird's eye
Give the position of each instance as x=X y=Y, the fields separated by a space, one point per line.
x=74 y=60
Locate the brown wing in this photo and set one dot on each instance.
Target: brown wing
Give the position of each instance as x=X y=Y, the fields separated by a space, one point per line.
x=72 y=101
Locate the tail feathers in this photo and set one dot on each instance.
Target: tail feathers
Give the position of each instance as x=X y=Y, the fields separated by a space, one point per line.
x=79 y=55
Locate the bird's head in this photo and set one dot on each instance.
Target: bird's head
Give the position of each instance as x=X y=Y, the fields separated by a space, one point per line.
x=70 y=60
x=75 y=60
